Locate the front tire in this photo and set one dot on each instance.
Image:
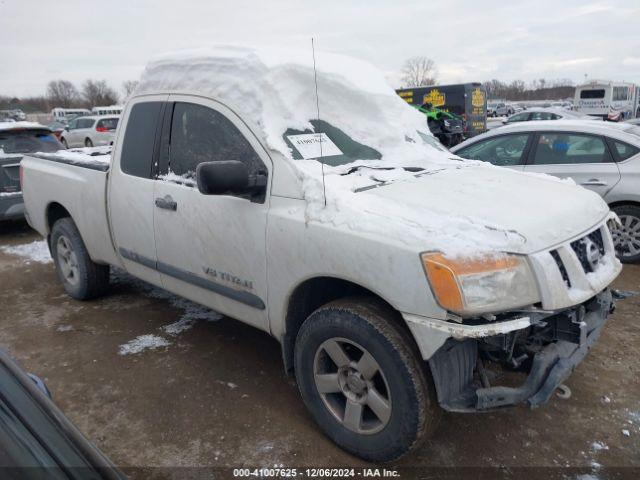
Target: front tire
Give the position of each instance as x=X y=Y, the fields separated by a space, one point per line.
x=626 y=238
x=88 y=143
x=64 y=142
x=362 y=382
x=81 y=278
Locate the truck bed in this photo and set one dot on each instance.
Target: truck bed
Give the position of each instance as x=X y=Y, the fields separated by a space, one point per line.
x=75 y=180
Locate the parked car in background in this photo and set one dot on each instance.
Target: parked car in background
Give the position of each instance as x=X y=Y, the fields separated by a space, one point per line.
x=499 y=109
x=37 y=441
x=417 y=266
x=16 y=139
x=601 y=156
x=552 y=113
x=57 y=128
x=90 y=131
x=15 y=114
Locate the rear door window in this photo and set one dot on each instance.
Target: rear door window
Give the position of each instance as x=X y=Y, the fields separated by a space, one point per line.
x=505 y=150
x=623 y=150
x=139 y=139
x=569 y=148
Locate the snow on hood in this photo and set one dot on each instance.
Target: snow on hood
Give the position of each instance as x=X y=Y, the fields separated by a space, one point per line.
x=275 y=90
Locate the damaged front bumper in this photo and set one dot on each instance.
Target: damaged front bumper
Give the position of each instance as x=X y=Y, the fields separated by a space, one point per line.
x=549 y=345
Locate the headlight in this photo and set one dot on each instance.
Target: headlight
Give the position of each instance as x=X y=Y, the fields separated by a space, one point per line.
x=488 y=284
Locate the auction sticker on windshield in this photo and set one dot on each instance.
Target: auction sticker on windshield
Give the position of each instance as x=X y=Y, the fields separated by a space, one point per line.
x=308 y=145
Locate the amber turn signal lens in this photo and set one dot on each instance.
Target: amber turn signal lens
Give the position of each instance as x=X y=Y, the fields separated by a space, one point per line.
x=443 y=282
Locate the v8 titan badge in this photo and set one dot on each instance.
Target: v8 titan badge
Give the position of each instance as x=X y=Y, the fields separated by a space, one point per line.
x=308 y=145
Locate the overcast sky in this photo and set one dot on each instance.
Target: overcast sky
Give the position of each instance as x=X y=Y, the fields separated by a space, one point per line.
x=469 y=40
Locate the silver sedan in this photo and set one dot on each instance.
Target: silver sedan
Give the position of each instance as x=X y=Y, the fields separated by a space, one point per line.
x=601 y=156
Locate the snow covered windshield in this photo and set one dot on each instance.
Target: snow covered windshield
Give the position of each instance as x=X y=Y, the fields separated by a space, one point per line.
x=329 y=143
x=335 y=147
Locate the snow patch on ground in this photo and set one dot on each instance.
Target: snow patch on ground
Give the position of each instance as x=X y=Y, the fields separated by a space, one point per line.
x=143 y=342
x=597 y=446
x=191 y=312
x=37 y=251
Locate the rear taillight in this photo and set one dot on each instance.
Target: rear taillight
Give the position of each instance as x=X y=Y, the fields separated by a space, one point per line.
x=102 y=129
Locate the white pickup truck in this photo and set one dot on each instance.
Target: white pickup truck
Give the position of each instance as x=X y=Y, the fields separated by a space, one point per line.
x=312 y=203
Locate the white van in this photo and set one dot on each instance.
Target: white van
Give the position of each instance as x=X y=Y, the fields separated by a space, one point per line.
x=112 y=110
x=614 y=101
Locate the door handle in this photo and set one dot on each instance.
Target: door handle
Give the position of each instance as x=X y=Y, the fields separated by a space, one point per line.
x=167 y=203
x=594 y=182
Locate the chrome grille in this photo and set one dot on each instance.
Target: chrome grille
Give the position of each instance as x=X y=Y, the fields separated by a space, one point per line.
x=581 y=246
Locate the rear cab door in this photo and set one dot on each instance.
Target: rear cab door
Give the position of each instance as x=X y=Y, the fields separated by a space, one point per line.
x=130 y=196
x=584 y=157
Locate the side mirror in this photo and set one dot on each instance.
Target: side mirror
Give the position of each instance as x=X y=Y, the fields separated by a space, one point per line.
x=230 y=177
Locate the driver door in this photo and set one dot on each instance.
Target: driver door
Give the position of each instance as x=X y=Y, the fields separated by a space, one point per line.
x=211 y=248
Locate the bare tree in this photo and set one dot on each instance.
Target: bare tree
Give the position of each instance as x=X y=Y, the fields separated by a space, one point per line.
x=129 y=87
x=418 y=72
x=62 y=93
x=97 y=92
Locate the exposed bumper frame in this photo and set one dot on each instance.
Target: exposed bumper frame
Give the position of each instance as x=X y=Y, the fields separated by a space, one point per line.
x=453 y=365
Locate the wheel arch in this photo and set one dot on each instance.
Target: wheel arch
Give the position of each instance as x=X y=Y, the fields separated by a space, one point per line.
x=315 y=292
x=54 y=212
x=622 y=203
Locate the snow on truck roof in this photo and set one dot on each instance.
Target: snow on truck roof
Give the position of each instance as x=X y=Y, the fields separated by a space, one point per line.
x=276 y=90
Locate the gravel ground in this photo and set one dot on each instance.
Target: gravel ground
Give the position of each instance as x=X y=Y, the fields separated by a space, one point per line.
x=157 y=382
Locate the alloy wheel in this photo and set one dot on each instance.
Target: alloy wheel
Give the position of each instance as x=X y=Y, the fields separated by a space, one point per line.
x=67 y=260
x=352 y=386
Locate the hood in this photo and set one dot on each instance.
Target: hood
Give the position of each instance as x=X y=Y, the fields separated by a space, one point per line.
x=482 y=207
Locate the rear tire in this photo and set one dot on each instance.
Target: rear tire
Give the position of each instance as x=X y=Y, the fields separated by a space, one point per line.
x=88 y=143
x=64 y=142
x=377 y=416
x=81 y=278
x=627 y=237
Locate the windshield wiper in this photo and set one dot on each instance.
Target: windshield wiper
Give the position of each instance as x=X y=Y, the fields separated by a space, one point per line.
x=408 y=169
